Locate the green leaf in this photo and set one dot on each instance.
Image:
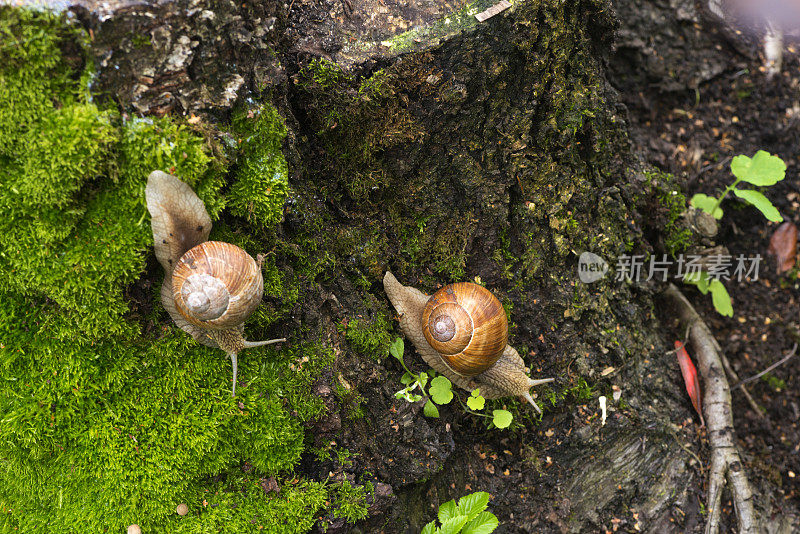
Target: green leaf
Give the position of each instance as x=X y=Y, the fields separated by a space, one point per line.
x=484 y=523
x=502 y=418
x=762 y=169
x=397 y=348
x=453 y=525
x=473 y=504
x=761 y=202
x=476 y=402
x=441 y=390
x=408 y=378
x=698 y=278
x=430 y=409
x=706 y=203
x=423 y=380
x=447 y=510
x=720 y=298
x=430 y=528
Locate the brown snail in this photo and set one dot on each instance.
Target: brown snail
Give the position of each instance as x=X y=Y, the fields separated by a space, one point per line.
x=210 y=287
x=462 y=332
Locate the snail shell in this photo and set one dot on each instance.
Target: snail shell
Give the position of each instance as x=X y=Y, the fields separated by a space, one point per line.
x=216 y=285
x=477 y=364
x=467 y=326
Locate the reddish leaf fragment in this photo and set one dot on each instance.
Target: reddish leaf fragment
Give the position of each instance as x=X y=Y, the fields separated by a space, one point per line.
x=783 y=245
x=689 y=372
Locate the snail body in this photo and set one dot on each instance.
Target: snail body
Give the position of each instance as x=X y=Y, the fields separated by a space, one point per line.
x=210 y=287
x=461 y=331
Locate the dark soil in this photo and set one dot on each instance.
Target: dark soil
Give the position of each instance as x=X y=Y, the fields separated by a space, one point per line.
x=694 y=134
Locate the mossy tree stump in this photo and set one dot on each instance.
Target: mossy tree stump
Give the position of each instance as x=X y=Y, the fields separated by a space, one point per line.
x=345 y=139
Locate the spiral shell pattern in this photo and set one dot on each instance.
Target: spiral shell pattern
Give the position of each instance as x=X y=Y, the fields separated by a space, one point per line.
x=467 y=325
x=217 y=285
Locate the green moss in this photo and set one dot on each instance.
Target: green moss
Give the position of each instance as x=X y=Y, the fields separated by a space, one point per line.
x=359 y=120
x=121 y=429
x=371 y=338
x=582 y=391
x=670 y=206
x=350 y=501
x=262 y=179
x=240 y=504
x=107 y=423
x=73 y=176
x=774 y=382
x=351 y=400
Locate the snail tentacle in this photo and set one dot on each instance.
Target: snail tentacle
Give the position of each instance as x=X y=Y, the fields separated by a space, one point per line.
x=235 y=366
x=527 y=397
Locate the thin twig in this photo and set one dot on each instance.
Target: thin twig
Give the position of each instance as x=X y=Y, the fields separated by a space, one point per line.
x=725 y=457
x=768 y=369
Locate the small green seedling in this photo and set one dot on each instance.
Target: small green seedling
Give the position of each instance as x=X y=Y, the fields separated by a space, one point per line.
x=475 y=400
x=719 y=295
x=763 y=169
x=440 y=391
x=468 y=517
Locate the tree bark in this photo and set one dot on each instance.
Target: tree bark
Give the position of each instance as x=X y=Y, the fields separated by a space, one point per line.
x=444 y=149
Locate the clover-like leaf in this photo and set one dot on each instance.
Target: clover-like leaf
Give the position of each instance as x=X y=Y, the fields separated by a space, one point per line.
x=761 y=203
x=430 y=528
x=407 y=393
x=441 y=390
x=502 y=418
x=397 y=348
x=762 y=169
x=476 y=401
x=430 y=409
x=706 y=203
x=698 y=278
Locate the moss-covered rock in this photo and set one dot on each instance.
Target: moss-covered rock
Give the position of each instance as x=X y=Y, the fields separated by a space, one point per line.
x=488 y=150
x=371 y=338
x=108 y=419
x=262 y=183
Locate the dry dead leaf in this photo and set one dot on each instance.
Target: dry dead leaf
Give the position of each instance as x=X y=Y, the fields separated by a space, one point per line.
x=783 y=245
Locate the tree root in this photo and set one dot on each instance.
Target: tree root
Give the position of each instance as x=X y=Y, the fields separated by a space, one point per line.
x=725 y=459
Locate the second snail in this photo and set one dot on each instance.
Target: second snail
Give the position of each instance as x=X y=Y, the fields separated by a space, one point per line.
x=462 y=332
x=210 y=287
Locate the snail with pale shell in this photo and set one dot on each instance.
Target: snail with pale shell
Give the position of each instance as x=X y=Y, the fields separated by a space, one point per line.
x=462 y=332
x=210 y=287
